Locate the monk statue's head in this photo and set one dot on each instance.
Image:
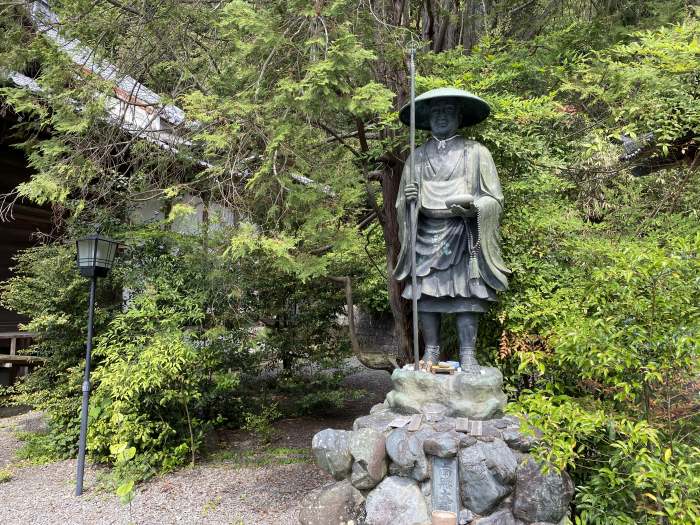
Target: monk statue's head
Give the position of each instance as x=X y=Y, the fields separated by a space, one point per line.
x=444 y=118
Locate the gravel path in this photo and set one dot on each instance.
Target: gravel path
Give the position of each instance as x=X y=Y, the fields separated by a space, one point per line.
x=8 y=444
x=219 y=490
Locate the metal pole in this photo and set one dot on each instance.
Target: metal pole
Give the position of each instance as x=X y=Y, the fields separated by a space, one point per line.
x=86 y=392
x=412 y=209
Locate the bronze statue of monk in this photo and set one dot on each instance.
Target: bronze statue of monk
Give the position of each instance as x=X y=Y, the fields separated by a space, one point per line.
x=459 y=203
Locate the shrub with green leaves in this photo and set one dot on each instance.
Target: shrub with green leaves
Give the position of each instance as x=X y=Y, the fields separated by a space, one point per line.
x=260 y=423
x=148 y=385
x=57 y=308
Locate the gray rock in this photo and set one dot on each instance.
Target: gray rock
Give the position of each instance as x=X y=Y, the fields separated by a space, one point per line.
x=367 y=447
x=506 y=503
x=502 y=517
x=513 y=419
x=421 y=469
x=501 y=423
x=397 y=501
x=330 y=505
x=406 y=451
x=486 y=472
x=398 y=470
x=399 y=450
x=377 y=408
x=433 y=412
x=379 y=420
x=331 y=449
x=446 y=425
x=490 y=431
x=442 y=445
x=519 y=456
x=541 y=497
x=465 y=395
x=360 y=478
x=467 y=441
x=500 y=460
x=519 y=441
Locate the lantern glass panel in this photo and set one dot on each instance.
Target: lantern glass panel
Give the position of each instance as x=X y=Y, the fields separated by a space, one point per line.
x=86 y=253
x=96 y=255
x=105 y=253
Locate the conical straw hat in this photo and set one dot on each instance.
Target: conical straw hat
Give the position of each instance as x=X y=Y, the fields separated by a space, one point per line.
x=473 y=109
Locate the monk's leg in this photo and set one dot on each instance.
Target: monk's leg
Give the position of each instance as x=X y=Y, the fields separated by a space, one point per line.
x=467 y=327
x=430 y=322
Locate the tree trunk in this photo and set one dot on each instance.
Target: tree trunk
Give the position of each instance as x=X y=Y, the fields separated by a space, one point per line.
x=400 y=308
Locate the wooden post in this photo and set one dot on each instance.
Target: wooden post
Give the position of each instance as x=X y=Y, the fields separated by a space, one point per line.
x=13 y=346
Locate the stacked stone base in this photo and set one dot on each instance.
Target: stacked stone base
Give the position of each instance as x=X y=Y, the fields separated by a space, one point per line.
x=406 y=460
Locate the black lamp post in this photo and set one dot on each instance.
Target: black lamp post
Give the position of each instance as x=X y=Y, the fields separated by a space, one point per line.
x=95 y=257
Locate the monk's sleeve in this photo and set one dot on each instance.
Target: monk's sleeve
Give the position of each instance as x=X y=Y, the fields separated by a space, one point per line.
x=489 y=204
x=402 y=268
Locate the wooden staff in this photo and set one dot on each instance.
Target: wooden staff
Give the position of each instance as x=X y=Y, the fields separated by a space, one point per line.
x=412 y=208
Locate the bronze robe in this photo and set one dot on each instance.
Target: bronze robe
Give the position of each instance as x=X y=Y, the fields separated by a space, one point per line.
x=458 y=260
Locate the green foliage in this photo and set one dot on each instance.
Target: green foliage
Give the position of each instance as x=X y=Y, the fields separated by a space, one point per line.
x=260 y=424
x=613 y=373
x=158 y=373
x=122 y=455
x=5 y=475
x=57 y=308
x=647 y=83
x=38 y=449
x=317 y=393
x=266 y=456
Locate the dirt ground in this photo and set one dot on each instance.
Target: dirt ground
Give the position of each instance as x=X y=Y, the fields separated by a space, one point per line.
x=238 y=484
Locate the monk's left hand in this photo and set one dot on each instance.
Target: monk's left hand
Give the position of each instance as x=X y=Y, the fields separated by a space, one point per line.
x=462 y=211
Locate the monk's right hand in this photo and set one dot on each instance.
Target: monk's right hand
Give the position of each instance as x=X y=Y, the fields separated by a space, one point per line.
x=411 y=191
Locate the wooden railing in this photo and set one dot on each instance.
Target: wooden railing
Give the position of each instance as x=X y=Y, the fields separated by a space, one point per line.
x=14 y=337
x=13 y=365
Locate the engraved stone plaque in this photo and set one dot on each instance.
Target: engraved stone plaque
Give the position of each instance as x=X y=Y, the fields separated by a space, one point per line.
x=445 y=484
x=416 y=420
x=400 y=421
x=476 y=428
x=462 y=425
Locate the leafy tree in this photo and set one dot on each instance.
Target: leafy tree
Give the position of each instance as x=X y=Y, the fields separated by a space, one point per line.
x=292 y=104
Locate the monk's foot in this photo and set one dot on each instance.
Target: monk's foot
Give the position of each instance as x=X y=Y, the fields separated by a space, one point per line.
x=468 y=362
x=432 y=354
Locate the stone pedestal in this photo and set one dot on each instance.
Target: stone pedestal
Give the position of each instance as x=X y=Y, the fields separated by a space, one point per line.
x=476 y=396
x=437 y=443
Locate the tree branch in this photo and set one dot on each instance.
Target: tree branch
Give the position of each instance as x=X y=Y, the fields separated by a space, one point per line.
x=338 y=137
x=351 y=313
x=126 y=8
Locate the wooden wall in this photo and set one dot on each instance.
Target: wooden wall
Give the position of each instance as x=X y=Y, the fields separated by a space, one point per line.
x=19 y=231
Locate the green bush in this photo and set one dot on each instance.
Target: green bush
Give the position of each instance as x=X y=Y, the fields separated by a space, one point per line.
x=320 y=392
x=57 y=308
x=148 y=386
x=175 y=360
x=260 y=423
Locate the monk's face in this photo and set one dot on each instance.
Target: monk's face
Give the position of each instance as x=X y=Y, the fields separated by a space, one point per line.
x=444 y=118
